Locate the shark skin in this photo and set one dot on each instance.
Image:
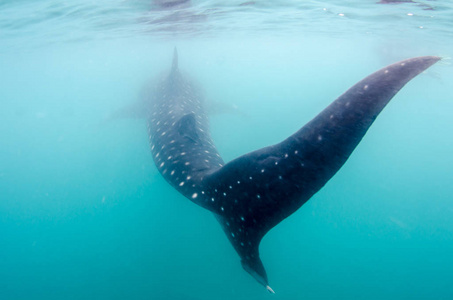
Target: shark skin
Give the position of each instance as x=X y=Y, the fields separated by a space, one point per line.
x=253 y=193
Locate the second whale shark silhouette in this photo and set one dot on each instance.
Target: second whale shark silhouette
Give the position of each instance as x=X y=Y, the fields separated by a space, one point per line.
x=255 y=192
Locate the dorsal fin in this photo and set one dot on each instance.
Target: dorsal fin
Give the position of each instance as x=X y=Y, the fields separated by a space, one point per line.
x=258 y=190
x=174 y=66
x=187 y=127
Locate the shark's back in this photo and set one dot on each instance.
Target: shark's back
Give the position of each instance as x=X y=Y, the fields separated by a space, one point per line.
x=179 y=134
x=253 y=193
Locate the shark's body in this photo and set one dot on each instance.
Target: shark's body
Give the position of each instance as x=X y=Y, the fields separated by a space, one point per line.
x=255 y=192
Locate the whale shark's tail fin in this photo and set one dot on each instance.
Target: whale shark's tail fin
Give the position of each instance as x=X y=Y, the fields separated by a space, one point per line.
x=262 y=188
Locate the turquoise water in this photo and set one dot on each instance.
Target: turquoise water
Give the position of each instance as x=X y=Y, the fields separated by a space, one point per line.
x=84 y=214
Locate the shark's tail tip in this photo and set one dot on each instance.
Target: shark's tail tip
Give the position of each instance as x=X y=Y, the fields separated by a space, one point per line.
x=446 y=60
x=423 y=60
x=269 y=289
x=434 y=58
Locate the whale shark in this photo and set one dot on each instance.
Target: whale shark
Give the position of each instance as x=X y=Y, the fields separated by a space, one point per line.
x=254 y=192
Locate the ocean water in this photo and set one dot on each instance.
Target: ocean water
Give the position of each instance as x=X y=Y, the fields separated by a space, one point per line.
x=84 y=213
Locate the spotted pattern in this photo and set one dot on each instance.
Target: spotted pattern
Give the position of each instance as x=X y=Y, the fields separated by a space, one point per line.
x=185 y=155
x=254 y=192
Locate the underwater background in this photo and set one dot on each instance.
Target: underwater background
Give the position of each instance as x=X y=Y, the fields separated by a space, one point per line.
x=84 y=213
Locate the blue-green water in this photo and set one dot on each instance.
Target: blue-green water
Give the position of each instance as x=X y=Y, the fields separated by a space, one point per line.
x=84 y=213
